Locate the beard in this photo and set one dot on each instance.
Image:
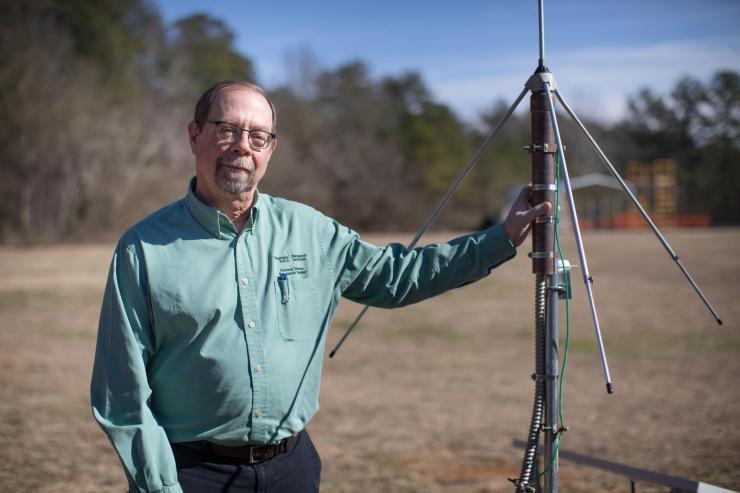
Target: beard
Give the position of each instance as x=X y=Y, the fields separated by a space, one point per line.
x=234 y=181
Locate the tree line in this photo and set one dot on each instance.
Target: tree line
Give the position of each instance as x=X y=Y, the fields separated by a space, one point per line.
x=95 y=97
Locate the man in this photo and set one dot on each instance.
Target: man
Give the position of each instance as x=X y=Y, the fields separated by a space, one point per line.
x=216 y=310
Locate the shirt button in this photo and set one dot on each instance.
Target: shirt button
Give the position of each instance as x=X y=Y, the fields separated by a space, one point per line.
x=251 y=325
x=258 y=368
x=245 y=281
x=258 y=413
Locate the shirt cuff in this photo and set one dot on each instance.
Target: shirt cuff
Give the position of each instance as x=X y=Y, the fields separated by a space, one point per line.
x=496 y=245
x=170 y=488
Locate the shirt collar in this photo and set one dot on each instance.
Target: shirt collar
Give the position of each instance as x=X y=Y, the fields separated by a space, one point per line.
x=214 y=220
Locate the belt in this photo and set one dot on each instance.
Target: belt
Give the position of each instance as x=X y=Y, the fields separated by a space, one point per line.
x=250 y=454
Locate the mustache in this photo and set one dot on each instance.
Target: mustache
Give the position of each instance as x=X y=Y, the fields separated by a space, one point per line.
x=237 y=162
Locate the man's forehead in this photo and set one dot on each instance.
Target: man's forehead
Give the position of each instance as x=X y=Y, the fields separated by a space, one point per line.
x=240 y=99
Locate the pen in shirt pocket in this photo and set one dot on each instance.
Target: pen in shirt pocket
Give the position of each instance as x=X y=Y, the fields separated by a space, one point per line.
x=284 y=288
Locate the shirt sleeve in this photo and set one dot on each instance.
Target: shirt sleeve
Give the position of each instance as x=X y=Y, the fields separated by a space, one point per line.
x=393 y=276
x=120 y=392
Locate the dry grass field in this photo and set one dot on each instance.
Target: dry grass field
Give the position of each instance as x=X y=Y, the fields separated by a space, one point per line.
x=427 y=398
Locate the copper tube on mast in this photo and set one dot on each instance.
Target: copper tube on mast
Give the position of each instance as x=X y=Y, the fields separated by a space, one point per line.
x=543 y=149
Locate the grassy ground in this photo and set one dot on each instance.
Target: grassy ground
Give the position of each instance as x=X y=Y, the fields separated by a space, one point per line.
x=428 y=398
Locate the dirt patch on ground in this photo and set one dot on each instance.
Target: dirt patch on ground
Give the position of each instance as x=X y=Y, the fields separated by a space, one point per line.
x=427 y=398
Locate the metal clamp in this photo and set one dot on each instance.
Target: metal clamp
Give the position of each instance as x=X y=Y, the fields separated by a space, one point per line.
x=562 y=280
x=543 y=377
x=555 y=429
x=546 y=147
x=545 y=219
x=522 y=485
x=558 y=288
x=544 y=187
x=536 y=255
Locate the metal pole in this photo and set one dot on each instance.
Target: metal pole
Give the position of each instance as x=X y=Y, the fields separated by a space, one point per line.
x=644 y=214
x=442 y=203
x=541 y=9
x=543 y=263
x=551 y=386
x=588 y=280
x=543 y=256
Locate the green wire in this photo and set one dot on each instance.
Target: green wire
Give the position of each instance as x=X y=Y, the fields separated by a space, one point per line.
x=567 y=305
x=556 y=449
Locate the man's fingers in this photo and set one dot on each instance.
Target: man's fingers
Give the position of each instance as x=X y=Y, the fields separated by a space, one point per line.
x=540 y=210
x=517 y=222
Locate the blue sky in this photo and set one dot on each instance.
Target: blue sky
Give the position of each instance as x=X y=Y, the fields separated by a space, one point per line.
x=471 y=53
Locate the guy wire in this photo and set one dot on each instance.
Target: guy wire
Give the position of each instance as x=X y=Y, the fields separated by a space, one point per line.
x=441 y=204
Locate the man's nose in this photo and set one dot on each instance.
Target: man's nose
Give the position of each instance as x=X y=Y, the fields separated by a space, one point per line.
x=241 y=144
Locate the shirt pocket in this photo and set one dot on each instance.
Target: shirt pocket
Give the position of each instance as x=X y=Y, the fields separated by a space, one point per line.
x=297 y=302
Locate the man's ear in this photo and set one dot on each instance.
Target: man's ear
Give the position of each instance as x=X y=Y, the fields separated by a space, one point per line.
x=193 y=132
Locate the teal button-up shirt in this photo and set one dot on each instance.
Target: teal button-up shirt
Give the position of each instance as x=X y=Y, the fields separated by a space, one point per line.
x=207 y=333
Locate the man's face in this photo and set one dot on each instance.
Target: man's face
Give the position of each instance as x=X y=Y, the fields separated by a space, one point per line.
x=231 y=169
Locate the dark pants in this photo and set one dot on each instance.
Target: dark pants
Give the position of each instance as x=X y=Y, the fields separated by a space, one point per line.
x=298 y=470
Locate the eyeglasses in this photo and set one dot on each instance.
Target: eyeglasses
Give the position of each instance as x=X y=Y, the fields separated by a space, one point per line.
x=228 y=132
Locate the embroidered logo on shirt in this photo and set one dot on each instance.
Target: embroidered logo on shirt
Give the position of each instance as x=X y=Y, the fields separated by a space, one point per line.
x=292 y=263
